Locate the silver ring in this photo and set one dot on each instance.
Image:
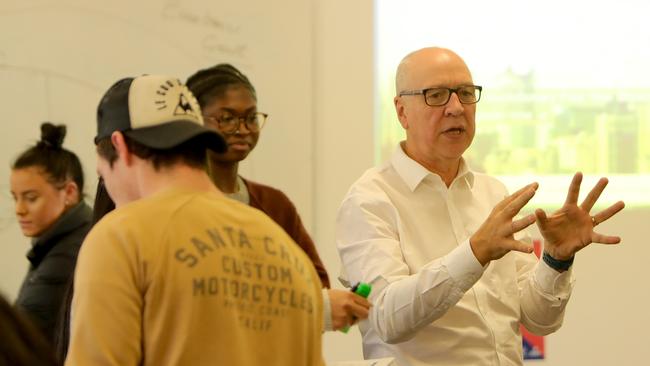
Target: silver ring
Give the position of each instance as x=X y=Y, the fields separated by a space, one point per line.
x=593 y=221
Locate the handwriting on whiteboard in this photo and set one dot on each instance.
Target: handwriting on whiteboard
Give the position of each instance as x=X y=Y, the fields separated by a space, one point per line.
x=223 y=36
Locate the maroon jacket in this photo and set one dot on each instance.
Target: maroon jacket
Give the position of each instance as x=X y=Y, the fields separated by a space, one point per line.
x=278 y=207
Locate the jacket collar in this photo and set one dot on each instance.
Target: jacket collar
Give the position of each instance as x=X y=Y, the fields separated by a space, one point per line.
x=79 y=215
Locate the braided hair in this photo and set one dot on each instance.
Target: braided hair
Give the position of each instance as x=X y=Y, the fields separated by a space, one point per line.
x=212 y=82
x=59 y=164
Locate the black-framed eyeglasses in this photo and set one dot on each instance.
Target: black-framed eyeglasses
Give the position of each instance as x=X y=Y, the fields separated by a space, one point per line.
x=435 y=97
x=228 y=123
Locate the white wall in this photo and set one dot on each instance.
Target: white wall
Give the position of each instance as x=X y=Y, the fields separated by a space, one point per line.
x=315 y=77
x=343 y=129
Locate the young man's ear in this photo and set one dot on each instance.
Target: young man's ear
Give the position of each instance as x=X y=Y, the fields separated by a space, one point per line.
x=121 y=148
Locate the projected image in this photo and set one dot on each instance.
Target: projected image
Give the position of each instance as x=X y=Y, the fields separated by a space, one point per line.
x=562 y=91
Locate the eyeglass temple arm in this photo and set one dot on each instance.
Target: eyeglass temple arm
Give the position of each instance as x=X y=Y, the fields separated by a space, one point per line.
x=412 y=92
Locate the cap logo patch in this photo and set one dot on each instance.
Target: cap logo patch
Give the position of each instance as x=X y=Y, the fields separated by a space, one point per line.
x=183 y=107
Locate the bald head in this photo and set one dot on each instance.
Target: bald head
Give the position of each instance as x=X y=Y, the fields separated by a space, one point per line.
x=421 y=68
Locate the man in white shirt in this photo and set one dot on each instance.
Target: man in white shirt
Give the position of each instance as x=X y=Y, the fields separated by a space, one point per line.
x=451 y=284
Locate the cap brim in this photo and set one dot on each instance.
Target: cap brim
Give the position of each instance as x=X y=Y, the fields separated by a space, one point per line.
x=172 y=134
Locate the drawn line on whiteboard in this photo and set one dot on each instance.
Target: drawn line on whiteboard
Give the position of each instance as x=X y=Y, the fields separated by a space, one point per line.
x=174 y=11
x=209 y=21
x=47 y=72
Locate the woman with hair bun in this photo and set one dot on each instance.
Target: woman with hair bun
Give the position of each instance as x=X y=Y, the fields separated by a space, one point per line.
x=47 y=187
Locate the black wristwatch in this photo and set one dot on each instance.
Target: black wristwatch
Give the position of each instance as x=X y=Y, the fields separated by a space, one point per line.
x=557 y=264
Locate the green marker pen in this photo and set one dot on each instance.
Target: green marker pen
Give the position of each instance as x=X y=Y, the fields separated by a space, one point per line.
x=361 y=289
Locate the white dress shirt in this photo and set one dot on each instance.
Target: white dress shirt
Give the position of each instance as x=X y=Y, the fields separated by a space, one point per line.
x=401 y=229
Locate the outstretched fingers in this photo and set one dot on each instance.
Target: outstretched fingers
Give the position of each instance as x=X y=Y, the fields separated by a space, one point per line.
x=519 y=246
x=518 y=225
x=594 y=194
x=541 y=217
x=610 y=211
x=604 y=239
x=574 y=189
x=520 y=199
x=506 y=201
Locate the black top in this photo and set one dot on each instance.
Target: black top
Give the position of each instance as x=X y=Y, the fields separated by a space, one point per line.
x=52 y=260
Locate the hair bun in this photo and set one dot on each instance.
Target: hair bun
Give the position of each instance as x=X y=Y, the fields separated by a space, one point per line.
x=52 y=136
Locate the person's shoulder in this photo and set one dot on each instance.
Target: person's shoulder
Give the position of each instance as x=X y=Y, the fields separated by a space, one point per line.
x=109 y=222
x=133 y=214
x=125 y=226
x=374 y=180
x=56 y=268
x=259 y=189
x=83 y=213
x=261 y=215
x=270 y=200
x=85 y=220
x=131 y=210
x=372 y=190
x=68 y=243
x=193 y=204
x=160 y=204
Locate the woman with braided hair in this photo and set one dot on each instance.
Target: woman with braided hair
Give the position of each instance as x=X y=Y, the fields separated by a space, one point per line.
x=229 y=105
x=47 y=188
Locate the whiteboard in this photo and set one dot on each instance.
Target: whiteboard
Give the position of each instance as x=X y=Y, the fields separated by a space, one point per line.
x=58 y=57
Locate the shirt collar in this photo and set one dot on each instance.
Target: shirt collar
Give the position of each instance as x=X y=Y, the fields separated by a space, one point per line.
x=413 y=173
x=465 y=173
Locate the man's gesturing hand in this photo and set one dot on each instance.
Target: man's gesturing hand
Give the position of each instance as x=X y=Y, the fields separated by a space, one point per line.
x=495 y=237
x=571 y=228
